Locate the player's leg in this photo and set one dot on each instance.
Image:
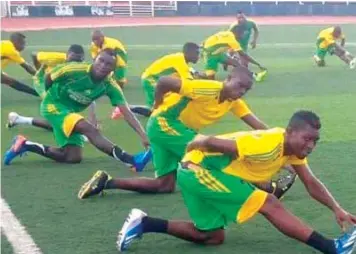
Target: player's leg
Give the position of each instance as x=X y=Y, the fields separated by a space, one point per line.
x=149 y=90
x=17 y=85
x=168 y=145
x=244 y=46
x=211 y=66
x=344 y=55
x=15 y=119
x=321 y=51
x=120 y=77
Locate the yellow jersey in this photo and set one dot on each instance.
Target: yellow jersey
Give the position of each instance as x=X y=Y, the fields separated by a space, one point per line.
x=51 y=59
x=111 y=43
x=169 y=65
x=260 y=156
x=197 y=104
x=9 y=54
x=327 y=38
x=221 y=42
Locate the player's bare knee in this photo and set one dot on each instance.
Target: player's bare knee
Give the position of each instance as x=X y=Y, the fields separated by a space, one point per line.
x=271 y=205
x=167 y=183
x=211 y=238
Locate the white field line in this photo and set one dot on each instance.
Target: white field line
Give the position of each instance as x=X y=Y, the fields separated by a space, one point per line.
x=16 y=233
x=155 y=46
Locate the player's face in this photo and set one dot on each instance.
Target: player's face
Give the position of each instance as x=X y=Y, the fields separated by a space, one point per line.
x=74 y=57
x=20 y=44
x=303 y=141
x=98 y=40
x=237 y=87
x=103 y=65
x=241 y=18
x=337 y=33
x=193 y=56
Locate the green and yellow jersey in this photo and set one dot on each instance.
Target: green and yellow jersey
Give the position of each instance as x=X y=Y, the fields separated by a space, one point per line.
x=221 y=43
x=326 y=38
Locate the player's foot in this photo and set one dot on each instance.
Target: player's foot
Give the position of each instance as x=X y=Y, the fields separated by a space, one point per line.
x=283 y=184
x=11 y=120
x=346 y=244
x=131 y=230
x=260 y=76
x=141 y=160
x=116 y=113
x=319 y=62
x=352 y=63
x=17 y=149
x=95 y=185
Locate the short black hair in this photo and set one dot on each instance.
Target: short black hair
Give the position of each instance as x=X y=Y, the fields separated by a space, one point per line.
x=17 y=36
x=190 y=46
x=76 y=48
x=302 y=118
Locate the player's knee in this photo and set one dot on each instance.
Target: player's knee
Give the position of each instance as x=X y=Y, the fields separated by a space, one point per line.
x=166 y=184
x=210 y=238
x=271 y=205
x=74 y=159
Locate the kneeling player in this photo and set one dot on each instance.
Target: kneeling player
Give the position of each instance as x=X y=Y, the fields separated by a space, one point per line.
x=326 y=43
x=214 y=179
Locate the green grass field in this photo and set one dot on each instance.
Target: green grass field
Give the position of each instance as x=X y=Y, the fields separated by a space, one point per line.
x=42 y=193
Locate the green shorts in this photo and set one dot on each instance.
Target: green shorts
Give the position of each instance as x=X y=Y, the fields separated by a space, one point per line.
x=168 y=141
x=212 y=62
x=149 y=89
x=215 y=199
x=39 y=82
x=321 y=52
x=120 y=74
x=63 y=121
x=244 y=45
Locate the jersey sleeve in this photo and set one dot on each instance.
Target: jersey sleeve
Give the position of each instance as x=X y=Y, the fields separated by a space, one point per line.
x=15 y=56
x=183 y=70
x=59 y=73
x=258 y=147
x=293 y=160
x=51 y=58
x=200 y=89
x=240 y=108
x=93 y=50
x=114 y=92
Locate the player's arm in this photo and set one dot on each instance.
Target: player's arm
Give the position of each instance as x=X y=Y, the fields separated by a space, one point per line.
x=165 y=85
x=254 y=122
x=256 y=33
x=250 y=59
x=35 y=61
x=214 y=144
x=319 y=192
x=92 y=115
x=343 y=41
x=28 y=68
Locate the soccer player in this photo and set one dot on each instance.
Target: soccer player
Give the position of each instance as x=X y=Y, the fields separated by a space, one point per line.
x=218 y=48
x=10 y=53
x=71 y=88
x=176 y=120
x=176 y=65
x=327 y=43
x=101 y=42
x=45 y=62
x=214 y=180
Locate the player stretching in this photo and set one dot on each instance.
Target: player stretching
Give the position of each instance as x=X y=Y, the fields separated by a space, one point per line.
x=101 y=42
x=73 y=87
x=327 y=43
x=191 y=106
x=10 y=53
x=213 y=179
x=175 y=65
x=45 y=62
x=218 y=48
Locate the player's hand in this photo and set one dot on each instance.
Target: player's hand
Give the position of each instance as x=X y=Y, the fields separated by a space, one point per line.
x=145 y=142
x=262 y=68
x=344 y=218
x=253 y=44
x=198 y=143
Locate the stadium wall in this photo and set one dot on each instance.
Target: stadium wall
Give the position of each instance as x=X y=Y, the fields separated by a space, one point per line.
x=200 y=8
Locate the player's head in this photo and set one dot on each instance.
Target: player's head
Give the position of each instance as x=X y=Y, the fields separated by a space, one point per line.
x=241 y=18
x=97 y=37
x=19 y=41
x=302 y=133
x=337 y=32
x=104 y=64
x=237 y=83
x=191 y=52
x=75 y=53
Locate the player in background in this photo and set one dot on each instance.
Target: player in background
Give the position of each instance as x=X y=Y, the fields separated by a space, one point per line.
x=44 y=63
x=217 y=50
x=327 y=42
x=175 y=65
x=71 y=88
x=182 y=108
x=10 y=53
x=101 y=42
x=214 y=181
